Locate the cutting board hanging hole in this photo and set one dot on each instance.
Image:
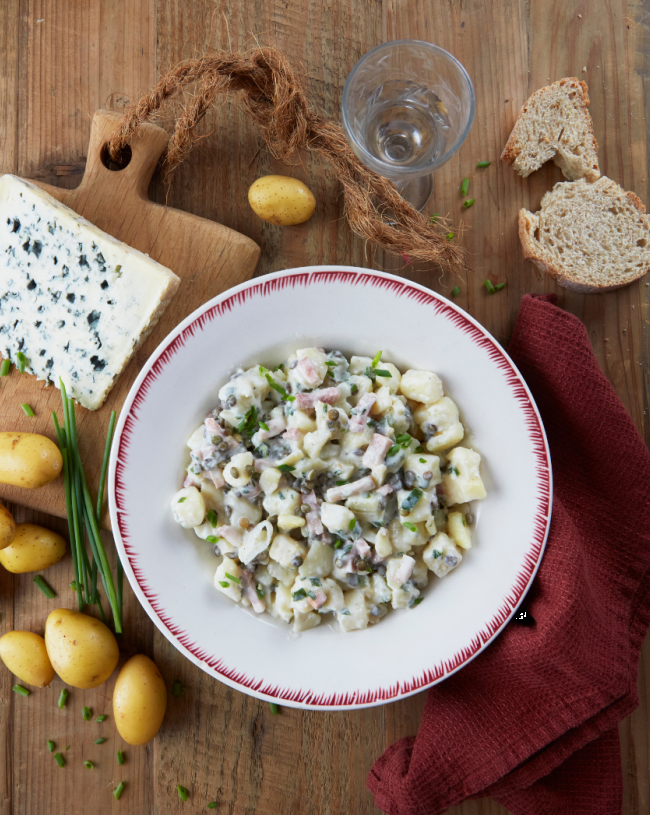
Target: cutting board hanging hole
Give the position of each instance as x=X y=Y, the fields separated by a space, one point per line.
x=120 y=163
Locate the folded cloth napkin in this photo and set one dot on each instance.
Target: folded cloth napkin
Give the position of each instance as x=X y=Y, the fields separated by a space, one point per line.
x=532 y=721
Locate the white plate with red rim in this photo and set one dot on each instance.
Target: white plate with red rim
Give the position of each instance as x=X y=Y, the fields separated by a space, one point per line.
x=358 y=311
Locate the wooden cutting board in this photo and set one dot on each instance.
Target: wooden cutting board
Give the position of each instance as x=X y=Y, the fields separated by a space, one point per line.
x=208 y=257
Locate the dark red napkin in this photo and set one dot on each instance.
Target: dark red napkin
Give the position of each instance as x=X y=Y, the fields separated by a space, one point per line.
x=532 y=721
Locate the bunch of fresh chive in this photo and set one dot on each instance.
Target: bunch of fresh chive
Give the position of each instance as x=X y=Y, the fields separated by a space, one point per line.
x=83 y=515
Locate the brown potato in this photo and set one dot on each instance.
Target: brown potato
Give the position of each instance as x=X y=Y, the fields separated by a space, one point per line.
x=139 y=700
x=32 y=549
x=24 y=654
x=281 y=200
x=82 y=650
x=28 y=460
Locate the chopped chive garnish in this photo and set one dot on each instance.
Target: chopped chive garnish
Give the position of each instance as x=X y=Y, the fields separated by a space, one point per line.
x=464 y=187
x=73 y=585
x=341 y=483
x=311 y=594
x=490 y=288
x=63 y=698
x=417 y=601
x=118 y=790
x=450 y=236
x=279 y=388
x=411 y=527
x=499 y=286
x=177 y=688
x=87 y=714
x=482 y=164
x=4 y=368
x=264 y=426
x=315 y=581
x=100 y=740
x=403 y=438
x=455 y=291
x=298 y=595
x=375 y=361
x=411 y=500
x=180 y=500
x=44 y=586
x=434 y=217
x=419 y=449
x=467 y=204
x=22 y=361
x=233 y=578
x=352 y=524
x=212 y=539
x=120 y=757
x=259 y=591
x=224 y=584
x=59 y=759
x=330 y=363
x=101 y=718
x=423 y=461
x=382 y=372
x=286 y=468
x=182 y=792
x=50 y=745
x=354 y=388
x=392 y=451
x=213 y=805
x=27 y=410
x=247 y=425
x=213 y=518
x=22 y=691
x=275 y=710
x=338 y=544
x=88 y=765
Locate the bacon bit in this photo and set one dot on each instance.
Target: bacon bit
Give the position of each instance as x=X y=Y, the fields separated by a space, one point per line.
x=232 y=534
x=405 y=570
x=308 y=371
x=313 y=518
x=406 y=259
x=365 y=484
x=262 y=464
x=207 y=452
x=385 y=490
x=293 y=434
x=321 y=597
x=327 y=395
x=213 y=427
x=276 y=426
x=217 y=478
x=192 y=480
x=249 y=590
x=358 y=421
x=361 y=546
x=376 y=451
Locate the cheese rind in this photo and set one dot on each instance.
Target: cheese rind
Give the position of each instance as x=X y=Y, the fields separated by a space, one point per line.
x=74 y=300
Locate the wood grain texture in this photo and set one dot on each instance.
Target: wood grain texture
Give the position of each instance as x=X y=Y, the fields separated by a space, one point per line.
x=217 y=742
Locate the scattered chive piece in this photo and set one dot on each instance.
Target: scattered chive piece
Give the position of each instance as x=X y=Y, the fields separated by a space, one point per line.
x=499 y=286
x=423 y=461
x=410 y=526
x=22 y=691
x=375 y=361
x=434 y=217
x=264 y=426
x=464 y=187
x=68 y=747
x=50 y=746
x=490 y=288
x=392 y=451
x=4 y=368
x=286 y=468
x=120 y=758
x=87 y=713
x=224 y=584
x=27 y=410
x=411 y=499
x=44 y=586
x=22 y=361
x=178 y=688
x=330 y=363
x=275 y=710
x=352 y=524
x=287 y=396
x=483 y=164
x=450 y=236
x=417 y=601
x=233 y=578
x=182 y=792
x=63 y=698
x=73 y=585
x=298 y=595
x=59 y=759
x=101 y=718
x=99 y=741
x=338 y=544
x=403 y=438
x=180 y=500
x=88 y=765
x=213 y=805
x=213 y=518
x=118 y=790
x=419 y=449
x=354 y=388
x=382 y=372
x=259 y=591
x=455 y=291
x=467 y=204
x=212 y=539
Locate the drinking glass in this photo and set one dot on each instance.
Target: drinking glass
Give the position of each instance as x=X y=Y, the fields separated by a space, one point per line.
x=407 y=108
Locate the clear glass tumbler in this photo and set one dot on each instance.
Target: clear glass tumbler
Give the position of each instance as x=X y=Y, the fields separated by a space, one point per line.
x=407 y=108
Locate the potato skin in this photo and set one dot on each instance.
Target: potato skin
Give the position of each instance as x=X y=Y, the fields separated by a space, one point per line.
x=139 y=700
x=32 y=549
x=28 y=460
x=7 y=527
x=25 y=655
x=281 y=200
x=82 y=650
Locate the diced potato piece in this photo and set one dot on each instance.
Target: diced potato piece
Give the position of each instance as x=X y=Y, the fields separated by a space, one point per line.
x=205 y=531
x=378 y=473
x=188 y=507
x=420 y=574
x=442 y=420
x=288 y=522
x=440 y=555
x=403 y=538
x=281 y=604
x=298 y=375
x=293 y=458
x=269 y=480
x=430 y=526
x=462 y=479
x=353 y=445
x=354 y=615
x=405 y=595
x=359 y=364
x=241 y=508
x=383 y=545
x=314 y=442
x=384 y=400
x=301 y=421
x=368 y=502
x=223 y=581
x=214 y=498
x=303 y=622
x=286 y=576
x=392 y=382
x=458 y=530
x=282 y=502
x=197 y=438
x=284 y=550
x=256 y=540
x=334 y=593
x=336 y=518
x=380 y=591
x=263 y=576
x=421 y=386
x=399 y=415
x=421 y=463
x=399 y=570
x=421 y=512
x=319 y=560
x=239 y=464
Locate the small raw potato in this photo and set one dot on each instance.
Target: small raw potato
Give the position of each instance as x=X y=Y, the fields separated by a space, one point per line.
x=25 y=655
x=33 y=548
x=281 y=200
x=139 y=700
x=28 y=460
x=7 y=527
x=83 y=651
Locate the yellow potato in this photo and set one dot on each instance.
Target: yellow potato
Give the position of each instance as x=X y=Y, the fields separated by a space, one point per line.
x=32 y=549
x=25 y=655
x=7 y=527
x=83 y=651
x=139 y=700
x=281 y=200
x=28 y=460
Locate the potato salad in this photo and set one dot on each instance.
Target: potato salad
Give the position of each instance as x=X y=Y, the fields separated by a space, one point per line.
x=331 y=486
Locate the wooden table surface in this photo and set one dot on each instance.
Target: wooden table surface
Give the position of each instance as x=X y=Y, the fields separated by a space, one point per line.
x=62 y=59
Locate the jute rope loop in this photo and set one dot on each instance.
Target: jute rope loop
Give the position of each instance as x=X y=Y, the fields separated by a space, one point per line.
x=270 y=93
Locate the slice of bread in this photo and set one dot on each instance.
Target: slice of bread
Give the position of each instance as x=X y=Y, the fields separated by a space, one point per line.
x=589 y=237
x=555 y=124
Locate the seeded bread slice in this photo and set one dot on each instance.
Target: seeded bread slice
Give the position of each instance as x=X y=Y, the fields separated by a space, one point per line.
x=555 y=124
x=589 y=237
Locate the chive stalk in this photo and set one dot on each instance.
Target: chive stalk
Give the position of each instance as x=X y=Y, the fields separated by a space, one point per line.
x=44 y=586
x=464 y=187
x=63 y=698
x=455 y=291
x=468 y=203
x=87 y=714
x=275 y=710
x=50 y=745
x=118 y=790
x=490 y=288
x=182 y=792
x=20 y=690
x=4 y=368
x=102 y=477
x=21 y=361
x=88 y=765
x=120 y=758
x=27 y=410
x=483 y=164
x=101 y=718
x=100 y=740
x=59 y=759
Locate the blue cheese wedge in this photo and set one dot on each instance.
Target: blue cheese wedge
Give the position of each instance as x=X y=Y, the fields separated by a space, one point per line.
x=74 y=301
